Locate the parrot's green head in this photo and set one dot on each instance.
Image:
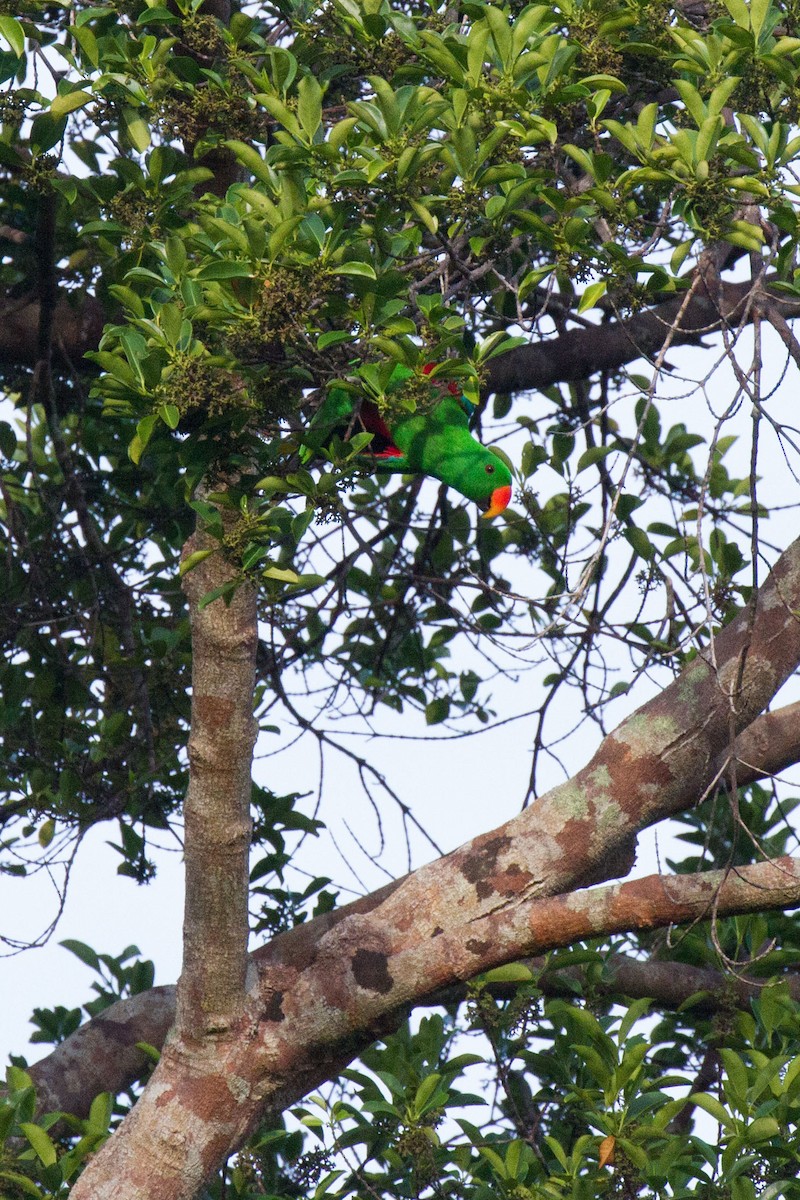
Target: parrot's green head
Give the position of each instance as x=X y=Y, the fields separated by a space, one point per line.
x=480 y=475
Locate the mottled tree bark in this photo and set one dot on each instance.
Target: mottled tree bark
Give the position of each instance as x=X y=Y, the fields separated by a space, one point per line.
x=102 y=1055
x=317 y=993
x=210 y=1002
x=217 y=810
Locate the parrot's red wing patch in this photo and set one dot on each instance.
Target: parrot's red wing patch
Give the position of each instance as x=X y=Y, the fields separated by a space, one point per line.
x=382 y=443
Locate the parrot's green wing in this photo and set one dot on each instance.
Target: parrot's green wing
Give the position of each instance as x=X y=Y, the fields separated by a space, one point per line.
x=439 y=443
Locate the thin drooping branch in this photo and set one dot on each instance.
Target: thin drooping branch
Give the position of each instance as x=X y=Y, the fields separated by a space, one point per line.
x=217 y=810
x=317 y=996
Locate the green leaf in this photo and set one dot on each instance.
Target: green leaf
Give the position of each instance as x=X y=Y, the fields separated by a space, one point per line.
x=636 y=1010
x=638 y=539
x=46 y=832
x=67 y=102
x=223 y=592
x=309 y=105
x=592 y=294
x=763 y=1128
x=85 y=953
x=13 y=32
x=356 y=268
x=8 y=440
x=225 y=270
x=136 y=128
x=425 y=1090
x=144 y=431
x=151 y=1052
x=46 y=130
x=437 y=710
x=100 y=1113
x=282 y=574
x=136 y=448
x=593 y=455
x=509 y=973
x=23 y=1183
x=333 y=338
x=87 y=42
x=193 y=559
x=170 y=415
x=712 y=1106
x=251 y=159
x=494 y=1160
x=40 y=1141
x=429 y=220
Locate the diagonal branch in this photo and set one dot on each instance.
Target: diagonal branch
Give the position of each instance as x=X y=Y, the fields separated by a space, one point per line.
x=322 y=989
x=575 y=355
x=102 y=1054
x=581 y=353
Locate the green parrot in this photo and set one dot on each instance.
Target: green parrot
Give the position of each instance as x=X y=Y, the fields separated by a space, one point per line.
x=436 y=442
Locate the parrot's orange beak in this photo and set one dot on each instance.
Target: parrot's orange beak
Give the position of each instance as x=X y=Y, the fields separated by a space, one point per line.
x=501 y=498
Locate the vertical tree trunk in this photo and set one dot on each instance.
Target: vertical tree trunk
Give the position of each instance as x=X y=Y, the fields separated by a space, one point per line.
x=159 y=1144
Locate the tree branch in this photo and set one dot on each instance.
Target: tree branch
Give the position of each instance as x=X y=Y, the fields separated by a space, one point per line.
x=77 y=328
x=91 y=1059
x=211 y=990
x=102 y=1055
x=582 y=353
x=319 y=995
x=575 y=355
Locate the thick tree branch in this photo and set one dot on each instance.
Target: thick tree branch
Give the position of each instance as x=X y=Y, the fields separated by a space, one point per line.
x=768 y=746
x=211 y=990
x=649 y=903
x=668 y=984
x=77 y=325
x=575 y=355
x=480 y=906
x=581 y=353
x=102 y=1054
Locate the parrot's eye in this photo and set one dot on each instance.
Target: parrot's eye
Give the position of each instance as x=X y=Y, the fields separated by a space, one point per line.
x=489 y=469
